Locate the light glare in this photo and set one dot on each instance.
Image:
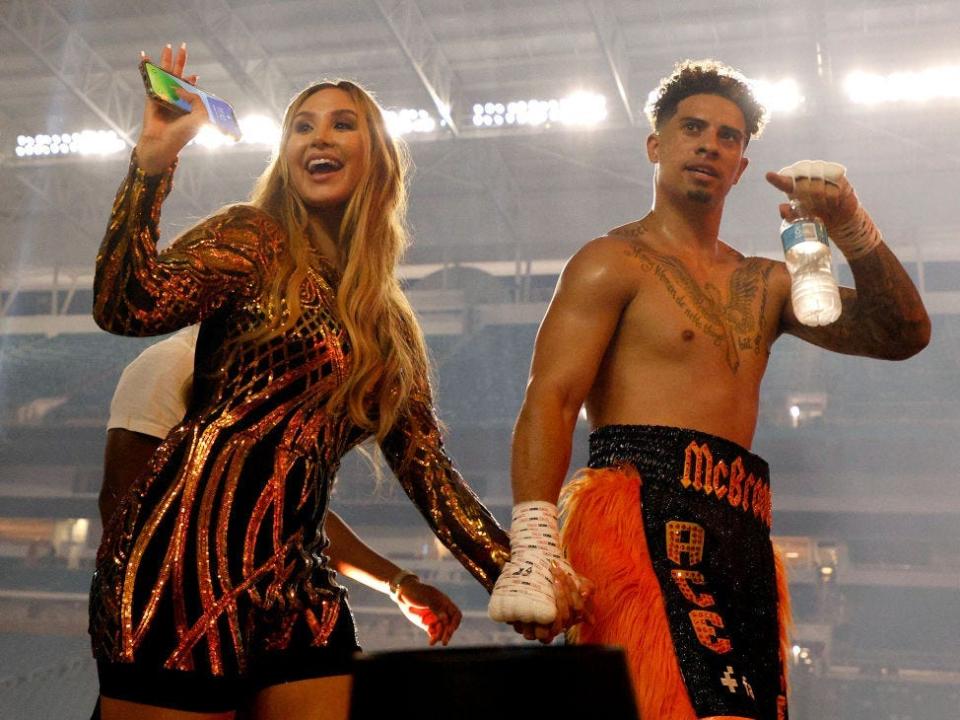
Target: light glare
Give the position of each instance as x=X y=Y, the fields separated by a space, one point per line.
x=211 y=138
x=781 y=96
x=99 y=142
x=583 y=109
x=259 y=130
x=580 y=108
x=409 y=120
x=87 y=142
x=777 y=96
x=905 y=86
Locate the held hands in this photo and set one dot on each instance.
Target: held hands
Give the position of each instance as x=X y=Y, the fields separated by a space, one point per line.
x=166 y=132
x=572 y=597
x=537 y=591
x=428 y=608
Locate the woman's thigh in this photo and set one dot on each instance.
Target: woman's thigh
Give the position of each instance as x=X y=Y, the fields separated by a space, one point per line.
x=325 y=698
x=112 y=709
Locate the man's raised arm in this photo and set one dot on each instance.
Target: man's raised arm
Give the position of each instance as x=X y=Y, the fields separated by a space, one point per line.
x=884 y=316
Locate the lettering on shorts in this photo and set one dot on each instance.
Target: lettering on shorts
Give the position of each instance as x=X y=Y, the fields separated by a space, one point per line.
x=685 y=547
x=731 y=483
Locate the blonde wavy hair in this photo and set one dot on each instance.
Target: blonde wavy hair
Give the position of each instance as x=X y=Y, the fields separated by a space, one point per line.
x=389 y=358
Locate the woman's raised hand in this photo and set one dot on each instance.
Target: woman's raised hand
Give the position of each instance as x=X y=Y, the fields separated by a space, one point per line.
x=166 y=132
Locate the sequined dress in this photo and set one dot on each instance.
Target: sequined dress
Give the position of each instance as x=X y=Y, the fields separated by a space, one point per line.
x=216 y=553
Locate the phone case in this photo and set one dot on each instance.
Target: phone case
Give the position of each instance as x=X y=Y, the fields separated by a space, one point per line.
x=219 y=111
x=153 y=94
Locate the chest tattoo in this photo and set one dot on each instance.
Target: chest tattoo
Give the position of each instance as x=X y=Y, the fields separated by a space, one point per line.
x=734 y=320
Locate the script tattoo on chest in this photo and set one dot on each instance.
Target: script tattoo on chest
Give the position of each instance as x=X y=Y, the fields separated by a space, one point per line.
x=733 y=320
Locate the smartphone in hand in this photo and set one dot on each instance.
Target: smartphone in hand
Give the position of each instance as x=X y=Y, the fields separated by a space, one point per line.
x=161 y=86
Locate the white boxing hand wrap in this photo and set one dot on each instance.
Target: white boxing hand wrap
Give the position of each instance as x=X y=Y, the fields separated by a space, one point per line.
x=524 y=591
x=815 y=170
x=858 y=236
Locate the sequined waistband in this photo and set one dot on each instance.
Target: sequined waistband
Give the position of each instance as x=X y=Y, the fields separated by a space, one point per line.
x=641 y=444
x=686 y=460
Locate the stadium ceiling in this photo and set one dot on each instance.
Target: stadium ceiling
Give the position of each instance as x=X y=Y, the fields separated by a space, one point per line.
x=500 y=193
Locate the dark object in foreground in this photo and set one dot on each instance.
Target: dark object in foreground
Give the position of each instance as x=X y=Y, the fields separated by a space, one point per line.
x=583 y=681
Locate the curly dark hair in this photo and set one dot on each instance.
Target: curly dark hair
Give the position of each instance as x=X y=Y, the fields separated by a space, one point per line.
x=710 y=77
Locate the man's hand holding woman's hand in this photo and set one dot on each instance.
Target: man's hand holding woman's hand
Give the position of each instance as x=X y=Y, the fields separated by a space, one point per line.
x=572 y=596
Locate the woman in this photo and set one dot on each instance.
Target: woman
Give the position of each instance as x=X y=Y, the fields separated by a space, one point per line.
x=211 y=592
x=152 y=397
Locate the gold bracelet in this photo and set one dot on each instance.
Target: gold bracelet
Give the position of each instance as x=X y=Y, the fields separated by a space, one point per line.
x=397 y=580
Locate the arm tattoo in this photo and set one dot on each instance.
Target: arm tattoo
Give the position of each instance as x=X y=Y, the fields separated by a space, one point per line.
x=884 y=317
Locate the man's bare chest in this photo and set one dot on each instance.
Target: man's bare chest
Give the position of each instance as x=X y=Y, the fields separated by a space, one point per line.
x=724 y=315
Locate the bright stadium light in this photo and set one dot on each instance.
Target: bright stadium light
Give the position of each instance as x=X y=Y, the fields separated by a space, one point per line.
x=409 y=120
x=906 y=86
x=534 y=112
x=86 y=142
x=211 y=138
x=580 y=108
x=259 y=130
x=583 y=109
x=99 y=142
x=780 y=96
x=777 y=96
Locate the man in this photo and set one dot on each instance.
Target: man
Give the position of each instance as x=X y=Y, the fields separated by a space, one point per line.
x=663 y=331
x=152 y=396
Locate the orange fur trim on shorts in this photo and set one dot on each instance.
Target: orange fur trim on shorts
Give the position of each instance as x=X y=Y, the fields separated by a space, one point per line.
x=784 y=615
x=604 y=539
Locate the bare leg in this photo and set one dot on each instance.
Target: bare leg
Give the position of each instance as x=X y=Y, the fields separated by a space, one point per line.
x=112 y=709
x=326 y=698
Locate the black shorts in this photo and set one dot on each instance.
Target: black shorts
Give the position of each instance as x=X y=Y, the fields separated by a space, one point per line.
x=706 y=511
x=198 y=692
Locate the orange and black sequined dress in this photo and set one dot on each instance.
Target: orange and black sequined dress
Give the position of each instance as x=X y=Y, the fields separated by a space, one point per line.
x=215 y=554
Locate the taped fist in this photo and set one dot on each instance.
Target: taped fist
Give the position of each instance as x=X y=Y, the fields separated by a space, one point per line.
x=822 y=189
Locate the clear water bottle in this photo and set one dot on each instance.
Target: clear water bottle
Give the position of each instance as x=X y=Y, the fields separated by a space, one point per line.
x=814 y=292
